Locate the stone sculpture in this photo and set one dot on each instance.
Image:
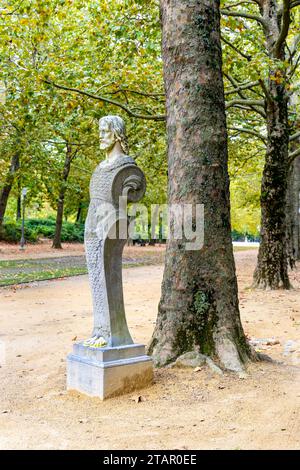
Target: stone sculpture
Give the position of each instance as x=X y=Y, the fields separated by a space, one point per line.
x=113 y=178
x=116 y=181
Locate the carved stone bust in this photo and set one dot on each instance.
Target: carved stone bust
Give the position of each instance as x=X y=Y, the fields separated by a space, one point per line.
x=117 y=176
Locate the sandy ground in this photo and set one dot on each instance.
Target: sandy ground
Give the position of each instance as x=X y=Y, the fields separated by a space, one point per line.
x=183 y=409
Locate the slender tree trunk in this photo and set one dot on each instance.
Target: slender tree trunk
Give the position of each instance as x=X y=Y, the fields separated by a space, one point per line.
x=272 y=264
x=199 y=308
x=297 y=209
x=18 y=214
x=79 y=212
x=292 y=212
x=8 y=184
x=61 y=199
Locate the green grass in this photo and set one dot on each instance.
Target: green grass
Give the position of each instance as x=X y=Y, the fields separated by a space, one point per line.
x=244 y=248
x=16 y=271
x=44 y=272
x=42 y=275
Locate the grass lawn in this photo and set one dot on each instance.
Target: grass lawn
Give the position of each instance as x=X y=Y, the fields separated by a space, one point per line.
x=30 y=270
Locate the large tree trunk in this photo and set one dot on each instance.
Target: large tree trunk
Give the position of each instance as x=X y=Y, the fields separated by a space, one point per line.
x=8 y=184
x=61 y=199
x=272 y=264
x=199 y=308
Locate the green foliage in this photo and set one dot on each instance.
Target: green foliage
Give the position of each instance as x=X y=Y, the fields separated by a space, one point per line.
x=35 y=228
x=46 y=227
x=11 y=232
x=112 y=49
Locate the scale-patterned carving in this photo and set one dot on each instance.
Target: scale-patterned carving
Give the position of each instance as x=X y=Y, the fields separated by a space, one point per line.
x=110 y=180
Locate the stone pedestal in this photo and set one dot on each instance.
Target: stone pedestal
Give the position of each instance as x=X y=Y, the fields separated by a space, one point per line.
x=108 y=371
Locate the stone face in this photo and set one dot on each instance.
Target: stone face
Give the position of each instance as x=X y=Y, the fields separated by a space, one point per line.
x=108 y=372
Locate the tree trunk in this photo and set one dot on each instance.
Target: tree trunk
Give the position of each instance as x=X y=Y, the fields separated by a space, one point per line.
x=199 y=308
x=8 y=183
x=292 y=212
x=18 y=214
x=272 y=264
x=297 y=208
x=61 y=199
x=79 y=213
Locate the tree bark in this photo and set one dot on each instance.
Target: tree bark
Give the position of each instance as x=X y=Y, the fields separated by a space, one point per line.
x=272 y=264
x=61 y=199
x=8 y=184
x=79 y=213
x=296 y=235
x=199 y=307
x=293 y=212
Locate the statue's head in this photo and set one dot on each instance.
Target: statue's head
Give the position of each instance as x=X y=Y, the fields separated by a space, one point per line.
x=111 y=130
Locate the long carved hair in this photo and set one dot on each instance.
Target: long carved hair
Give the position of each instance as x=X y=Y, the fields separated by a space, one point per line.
x=117 y=125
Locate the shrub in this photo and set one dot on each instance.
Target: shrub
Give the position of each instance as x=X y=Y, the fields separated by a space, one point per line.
x=11 y=232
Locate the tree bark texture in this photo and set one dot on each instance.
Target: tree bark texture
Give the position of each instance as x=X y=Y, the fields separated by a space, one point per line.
x=272 y=264
x=199 y=307
x=293 y=212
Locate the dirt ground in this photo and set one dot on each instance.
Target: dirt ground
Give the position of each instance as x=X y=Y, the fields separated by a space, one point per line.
x=183 y=409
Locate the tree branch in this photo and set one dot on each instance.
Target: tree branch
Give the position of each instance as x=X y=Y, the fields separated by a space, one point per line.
x=285 y=25
x=65 y=143
x=147 y=95
x=241 y=87
x=265 y=90
x=294 y=68
x=248 y=57
x=294 y=155
x=247 y=102
x=295 y=3
x=237 y=4
x=237 y=85
x=157 y=117
x=294 y=136
x=244 y=14
x=249 y=131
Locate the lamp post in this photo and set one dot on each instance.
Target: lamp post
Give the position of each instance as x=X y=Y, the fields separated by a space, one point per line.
x=23 y=196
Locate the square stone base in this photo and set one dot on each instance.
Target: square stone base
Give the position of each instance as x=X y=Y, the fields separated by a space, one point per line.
x=107 y=372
